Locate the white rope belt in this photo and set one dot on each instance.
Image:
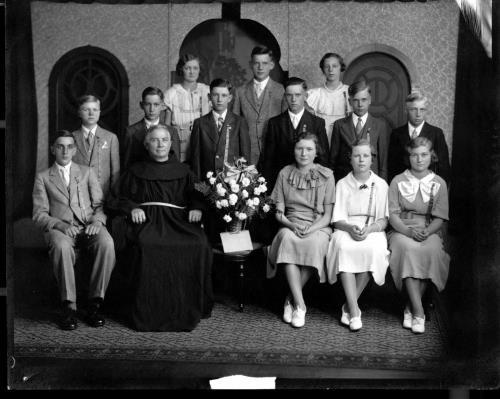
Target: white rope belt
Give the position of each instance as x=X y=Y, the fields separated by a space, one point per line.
x=163 y=204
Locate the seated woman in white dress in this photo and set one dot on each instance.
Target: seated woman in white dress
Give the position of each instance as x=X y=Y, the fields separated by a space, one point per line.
x=418 y=205
x=358 y=248
x=330 y=101
x=304 y=194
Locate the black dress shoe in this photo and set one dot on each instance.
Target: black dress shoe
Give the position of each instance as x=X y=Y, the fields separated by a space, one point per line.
x=68 y=319
x=94 y=318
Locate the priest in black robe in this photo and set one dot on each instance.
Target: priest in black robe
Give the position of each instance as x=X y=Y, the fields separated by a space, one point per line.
x=169 y=257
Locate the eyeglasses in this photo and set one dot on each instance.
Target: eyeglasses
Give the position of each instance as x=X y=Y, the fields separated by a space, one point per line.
x=61 y=147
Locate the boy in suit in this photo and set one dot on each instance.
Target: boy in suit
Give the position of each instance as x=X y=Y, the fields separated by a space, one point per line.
x=220 y=136
x=260 y=99
x=282 y=131
x=356 y=126
x=95 y=146
x=416 y=109
x=133 y=149
x=67 y=205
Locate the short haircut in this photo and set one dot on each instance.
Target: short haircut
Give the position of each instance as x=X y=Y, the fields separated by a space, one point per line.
x=152 y=128
x=294 y=81
x=151 y=91
x=420 y=141
x=416 y=96
x=358 y=86
x=218 y=82
x=310 y=136
x=262 y=50
x=361 y=143
x=183 y=60
x=332 y=55
x=62 y=133
x=87 y=98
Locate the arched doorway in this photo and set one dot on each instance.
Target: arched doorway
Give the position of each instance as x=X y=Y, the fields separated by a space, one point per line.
x=389 y=81
x=88 y=70
x=224 y=47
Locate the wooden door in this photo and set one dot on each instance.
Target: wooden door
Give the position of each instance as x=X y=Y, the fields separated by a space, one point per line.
x=389 y=83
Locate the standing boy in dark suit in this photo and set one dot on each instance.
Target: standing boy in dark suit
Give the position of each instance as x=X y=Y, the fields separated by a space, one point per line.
x=220 y=136
x=282 y=131
x=359 y=125
x=95 y=146
x=260 y=99
x=416 y=109
x=133 y=148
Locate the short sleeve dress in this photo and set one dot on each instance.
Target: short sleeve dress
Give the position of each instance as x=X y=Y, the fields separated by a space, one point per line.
x=302 y=197
x=418 y=201
x=186 y=106
x=353 y=205
x=329 y=105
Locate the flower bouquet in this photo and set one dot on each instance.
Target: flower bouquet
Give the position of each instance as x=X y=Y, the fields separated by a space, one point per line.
x=238 y=194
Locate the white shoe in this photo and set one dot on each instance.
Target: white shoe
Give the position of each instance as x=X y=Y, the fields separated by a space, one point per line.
x=345 y=316
x=407 y=316
x=418 y=325
x=298 y=317
x=355 y=323
x=287 y=311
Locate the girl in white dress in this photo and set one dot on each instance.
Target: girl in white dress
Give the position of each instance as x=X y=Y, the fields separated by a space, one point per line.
x=358 y=248
x=330 y=102
x=186 y=101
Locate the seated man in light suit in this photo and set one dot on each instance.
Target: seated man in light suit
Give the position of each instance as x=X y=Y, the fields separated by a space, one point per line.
x=67 y=205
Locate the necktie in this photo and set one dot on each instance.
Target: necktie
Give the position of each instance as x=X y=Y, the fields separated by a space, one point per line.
x=89 y=140
x=414 y=134
x=359 y=126
x=258 y=89
x=295 y=122
x=65 y=177
x=220 y=122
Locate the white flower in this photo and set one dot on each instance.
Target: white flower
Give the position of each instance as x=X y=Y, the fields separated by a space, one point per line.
x=261 y=180
x=209 y=174
x=244 y=193
x=227 y=218
x=221 y=191
x=263 y=188
x=235 y=188
x=218 y=185
x=256 y=201
x=212 y=180
x=233 y=198
x=245 y=182
x=232 y=182
x=218 y=205
x=256 y=191
x=249 y=203
x=224 y=203
x=266 y=208
x=242 y=216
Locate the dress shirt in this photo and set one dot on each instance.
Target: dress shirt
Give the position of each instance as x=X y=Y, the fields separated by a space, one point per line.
x=149 y=123
x=64 y=171
x=411 y=128
x=259 y=87
x=356 y=117
x=295 y=118
x=217 y=116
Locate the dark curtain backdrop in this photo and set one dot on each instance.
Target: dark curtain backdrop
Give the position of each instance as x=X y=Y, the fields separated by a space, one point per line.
x=21 y=116
x=474 y=207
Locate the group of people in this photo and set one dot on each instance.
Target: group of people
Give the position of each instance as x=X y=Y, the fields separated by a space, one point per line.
x=302 y=141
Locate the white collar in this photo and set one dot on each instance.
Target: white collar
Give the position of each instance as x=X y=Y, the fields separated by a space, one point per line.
x=149 y=124
x=356 y=117
x=412 y=185
x=262 y=84
x=217 y=116
x=411 y=128
x=86 y=130
x=66 y=168
x=298 y=116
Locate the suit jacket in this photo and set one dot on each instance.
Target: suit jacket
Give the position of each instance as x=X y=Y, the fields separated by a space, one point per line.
x=400 y=138
x=257 y=113
x=133 y=150
x=280 y=142
x=208 y=145
x=344 y=136
x=104 y=158
x=79 y=204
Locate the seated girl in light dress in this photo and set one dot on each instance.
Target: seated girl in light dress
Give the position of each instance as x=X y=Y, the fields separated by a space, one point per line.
x=304 y=194
x=186 y=101
x=418 y=206
x=330 y=101
x=358 y=248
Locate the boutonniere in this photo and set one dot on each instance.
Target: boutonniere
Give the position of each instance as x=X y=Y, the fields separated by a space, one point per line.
x=304 y=128
x=105 y=145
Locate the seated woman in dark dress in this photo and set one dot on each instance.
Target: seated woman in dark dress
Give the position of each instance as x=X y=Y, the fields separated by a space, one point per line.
x=170 y=256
